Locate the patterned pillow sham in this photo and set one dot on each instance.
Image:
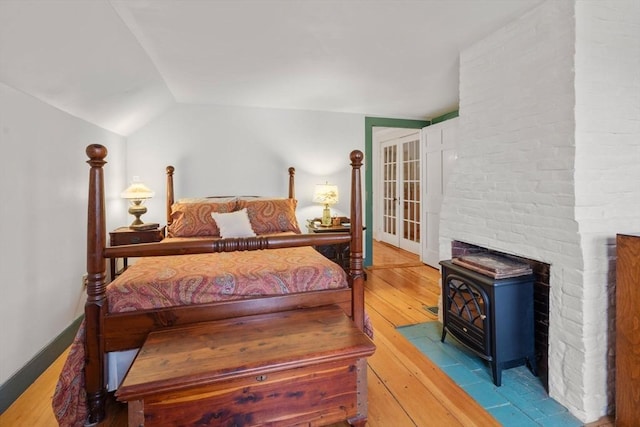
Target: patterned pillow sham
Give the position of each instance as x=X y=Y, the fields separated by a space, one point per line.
x=194 y=219
x=271 y=215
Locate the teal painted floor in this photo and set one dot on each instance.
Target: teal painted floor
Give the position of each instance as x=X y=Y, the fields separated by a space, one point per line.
x=521 y=401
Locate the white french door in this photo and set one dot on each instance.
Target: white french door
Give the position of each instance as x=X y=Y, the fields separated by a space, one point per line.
x=400 y=189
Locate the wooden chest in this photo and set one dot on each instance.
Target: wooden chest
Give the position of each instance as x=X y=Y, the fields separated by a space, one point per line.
x=305 y=366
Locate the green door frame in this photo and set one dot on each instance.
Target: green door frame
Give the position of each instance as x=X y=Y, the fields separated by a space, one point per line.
x=369 y=124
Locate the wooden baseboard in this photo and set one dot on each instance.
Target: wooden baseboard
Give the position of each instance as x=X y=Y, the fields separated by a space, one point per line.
x=21 y=380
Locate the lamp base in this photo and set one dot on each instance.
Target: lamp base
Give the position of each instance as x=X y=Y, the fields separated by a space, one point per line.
x=137 y=211
x=326 y=216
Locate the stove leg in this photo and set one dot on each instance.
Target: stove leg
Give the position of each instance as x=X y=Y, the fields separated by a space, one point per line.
x=496 y=370
x=533 y=367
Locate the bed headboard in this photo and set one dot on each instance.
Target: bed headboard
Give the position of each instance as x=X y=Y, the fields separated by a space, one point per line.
x=170 y=200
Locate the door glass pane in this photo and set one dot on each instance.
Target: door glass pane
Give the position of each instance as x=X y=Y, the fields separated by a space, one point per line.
x=389 y=213
x=411 y=190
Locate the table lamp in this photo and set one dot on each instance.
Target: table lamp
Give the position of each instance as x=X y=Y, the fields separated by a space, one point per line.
x=137 y=193
x=326 y=194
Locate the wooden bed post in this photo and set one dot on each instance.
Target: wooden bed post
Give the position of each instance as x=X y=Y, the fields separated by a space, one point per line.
x=357 y=273
x=96 y=304
x=170 y=195
x=292 y=185
x=357 y=281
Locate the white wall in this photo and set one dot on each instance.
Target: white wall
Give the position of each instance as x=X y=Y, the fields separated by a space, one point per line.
x=548 y=169
x=236 y=150
x=44 y=186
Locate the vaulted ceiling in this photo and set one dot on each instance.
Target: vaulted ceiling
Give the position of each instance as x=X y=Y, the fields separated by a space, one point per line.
x=119 y=63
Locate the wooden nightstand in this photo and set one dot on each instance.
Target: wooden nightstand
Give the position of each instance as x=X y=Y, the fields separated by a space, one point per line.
x=338 y=253
x=126 y=236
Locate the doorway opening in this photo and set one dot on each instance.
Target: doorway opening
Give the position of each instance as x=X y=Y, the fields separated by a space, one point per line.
x=370 y=124
x=397 y=207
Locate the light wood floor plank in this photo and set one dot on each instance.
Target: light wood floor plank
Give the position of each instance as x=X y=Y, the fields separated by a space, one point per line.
x=385 y=255
x=407 y=280
x=412 y=309
x=383 y=406
x=397 y=316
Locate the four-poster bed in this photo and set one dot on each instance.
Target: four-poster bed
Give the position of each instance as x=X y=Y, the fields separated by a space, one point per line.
x=111 y=325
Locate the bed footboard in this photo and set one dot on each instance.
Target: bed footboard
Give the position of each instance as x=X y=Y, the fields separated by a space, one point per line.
x=128 y=330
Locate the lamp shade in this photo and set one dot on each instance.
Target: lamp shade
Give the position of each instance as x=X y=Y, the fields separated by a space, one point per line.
x=137 y=191
x=327 y=194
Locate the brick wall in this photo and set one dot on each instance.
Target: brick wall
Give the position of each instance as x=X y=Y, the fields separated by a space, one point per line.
x=549 y=112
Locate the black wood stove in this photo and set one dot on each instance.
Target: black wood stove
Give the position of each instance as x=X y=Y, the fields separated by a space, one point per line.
x=488 y=307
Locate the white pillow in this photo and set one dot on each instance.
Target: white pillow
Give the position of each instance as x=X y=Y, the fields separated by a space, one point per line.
x=234 y=224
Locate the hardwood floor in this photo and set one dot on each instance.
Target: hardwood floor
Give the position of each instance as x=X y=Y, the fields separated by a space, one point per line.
x=405 y=388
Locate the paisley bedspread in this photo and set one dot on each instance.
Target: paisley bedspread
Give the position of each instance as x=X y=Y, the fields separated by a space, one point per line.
x=195 y=279
x=167 y=281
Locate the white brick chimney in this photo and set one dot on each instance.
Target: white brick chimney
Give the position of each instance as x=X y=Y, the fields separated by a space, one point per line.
x=548 y=168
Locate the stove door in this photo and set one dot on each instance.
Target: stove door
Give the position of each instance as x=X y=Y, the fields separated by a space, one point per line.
x=466 y=313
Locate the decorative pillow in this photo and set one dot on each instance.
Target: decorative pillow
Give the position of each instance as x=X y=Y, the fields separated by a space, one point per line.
x=234 y=224
x=271 y=215
x=194 y=219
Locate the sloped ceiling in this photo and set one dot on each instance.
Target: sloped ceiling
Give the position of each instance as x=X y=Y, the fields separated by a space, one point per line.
x=119 y=63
